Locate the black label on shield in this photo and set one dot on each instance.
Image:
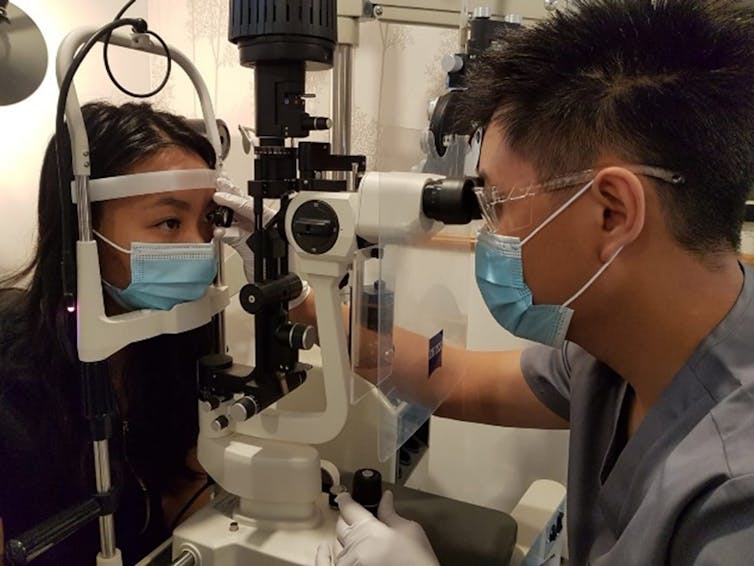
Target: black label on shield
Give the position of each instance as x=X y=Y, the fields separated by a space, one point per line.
x=435 y=353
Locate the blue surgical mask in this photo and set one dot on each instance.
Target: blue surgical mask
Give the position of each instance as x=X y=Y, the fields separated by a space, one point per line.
x=164 y=275
x=500 y=277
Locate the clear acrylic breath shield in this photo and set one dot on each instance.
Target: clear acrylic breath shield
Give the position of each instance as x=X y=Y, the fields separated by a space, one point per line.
x=409 y=311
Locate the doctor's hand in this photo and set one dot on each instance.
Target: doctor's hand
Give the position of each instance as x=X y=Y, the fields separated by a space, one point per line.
x=366 y=541
x=243 y=227
x=243 y=221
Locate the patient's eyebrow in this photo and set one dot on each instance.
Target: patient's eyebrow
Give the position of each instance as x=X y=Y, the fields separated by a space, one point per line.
x=172 y=201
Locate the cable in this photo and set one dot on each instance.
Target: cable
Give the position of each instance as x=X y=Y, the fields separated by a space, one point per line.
x=137 y=94
x=210 y=482
x=109 y=71
x=128 y=4
x=67 y=261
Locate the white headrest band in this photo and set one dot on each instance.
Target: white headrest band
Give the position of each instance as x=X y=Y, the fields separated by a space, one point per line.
x=122 y=186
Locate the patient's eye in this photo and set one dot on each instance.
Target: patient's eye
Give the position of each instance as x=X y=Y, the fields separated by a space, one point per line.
x=169 y=224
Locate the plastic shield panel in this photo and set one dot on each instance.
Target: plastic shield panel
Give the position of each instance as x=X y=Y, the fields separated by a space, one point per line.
x=410 y=297
x=430 y=305
x=372 y=312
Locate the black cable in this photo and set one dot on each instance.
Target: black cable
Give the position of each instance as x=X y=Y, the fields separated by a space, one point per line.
x=128 y=4
x=137 y=94
x=67 y=262
x=110 y=72
x=210 y=482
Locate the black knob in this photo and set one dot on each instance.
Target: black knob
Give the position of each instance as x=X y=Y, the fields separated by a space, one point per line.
x=255 y=297
x=297 y=336
x=220 y=423
x=317 y=123
x=244 y=409
x=208 y=366
x=367 y=489
x=210 y=402
x=315 y=227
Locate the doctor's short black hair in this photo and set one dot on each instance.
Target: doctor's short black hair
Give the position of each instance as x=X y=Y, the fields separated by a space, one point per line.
x=668 y=83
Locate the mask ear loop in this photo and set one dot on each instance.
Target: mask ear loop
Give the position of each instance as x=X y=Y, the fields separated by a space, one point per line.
x=117 y=247
x=111 y=243
x=594 y=277
x=555 y=214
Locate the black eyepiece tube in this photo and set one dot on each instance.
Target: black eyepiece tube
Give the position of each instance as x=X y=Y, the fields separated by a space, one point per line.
x=451 y=200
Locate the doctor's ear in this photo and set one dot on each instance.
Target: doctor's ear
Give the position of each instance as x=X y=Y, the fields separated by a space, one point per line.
x=620 y=193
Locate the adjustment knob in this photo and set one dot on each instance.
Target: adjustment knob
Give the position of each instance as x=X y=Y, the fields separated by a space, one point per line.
x=210 y=403
x=315 y=227
x=316 y=123
x=220 y=423
x=367 y=489
x=244 y=409
x=297 y=336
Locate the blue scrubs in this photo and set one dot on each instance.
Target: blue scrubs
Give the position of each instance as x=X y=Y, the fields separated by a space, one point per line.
x=681 y=490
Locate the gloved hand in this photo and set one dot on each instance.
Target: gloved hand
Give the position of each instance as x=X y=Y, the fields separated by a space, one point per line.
x=243 y=227
x=366 y=541
x=243 y=221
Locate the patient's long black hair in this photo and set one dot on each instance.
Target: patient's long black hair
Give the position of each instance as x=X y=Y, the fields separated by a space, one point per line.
x=37 y=349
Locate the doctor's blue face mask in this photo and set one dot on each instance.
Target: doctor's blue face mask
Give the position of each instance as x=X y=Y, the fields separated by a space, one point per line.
x=164 y=275
x=499 y=266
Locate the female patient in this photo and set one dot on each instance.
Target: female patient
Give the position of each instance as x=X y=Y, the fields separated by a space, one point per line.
x=45 y=448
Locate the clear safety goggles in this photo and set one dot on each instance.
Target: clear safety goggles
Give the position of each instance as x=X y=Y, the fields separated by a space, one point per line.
x=507 y=208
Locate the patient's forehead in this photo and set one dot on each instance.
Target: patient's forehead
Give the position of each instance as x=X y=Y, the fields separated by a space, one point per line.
x=168 y=158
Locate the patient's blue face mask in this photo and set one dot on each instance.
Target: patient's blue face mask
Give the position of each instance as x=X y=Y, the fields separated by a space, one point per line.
x=500 y=277
x=164 y=275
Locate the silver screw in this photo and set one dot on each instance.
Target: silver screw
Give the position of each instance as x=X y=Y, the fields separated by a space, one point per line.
x=482 y=12
x=378 y=11
x=252 y=299
x=86 y=164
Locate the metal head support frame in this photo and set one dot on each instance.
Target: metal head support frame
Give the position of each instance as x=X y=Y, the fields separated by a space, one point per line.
x=100 y=336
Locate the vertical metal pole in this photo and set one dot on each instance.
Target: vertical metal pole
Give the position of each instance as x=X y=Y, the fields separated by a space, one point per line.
x=82 y=207
x=219 y=319
x=342 y=97
x=102 y=478
x=100 y=447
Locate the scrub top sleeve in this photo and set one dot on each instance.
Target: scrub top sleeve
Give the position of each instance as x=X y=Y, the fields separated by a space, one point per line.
x=719 y=529
x=547 y=372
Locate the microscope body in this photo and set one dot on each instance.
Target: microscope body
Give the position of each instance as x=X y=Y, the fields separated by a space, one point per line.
x=271 y=508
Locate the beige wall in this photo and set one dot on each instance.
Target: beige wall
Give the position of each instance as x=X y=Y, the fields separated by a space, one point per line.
x=28 y=125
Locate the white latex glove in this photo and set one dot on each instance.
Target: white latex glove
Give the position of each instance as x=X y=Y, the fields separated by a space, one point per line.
x=367 y=541
x=243 y=221
x=243 y=227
